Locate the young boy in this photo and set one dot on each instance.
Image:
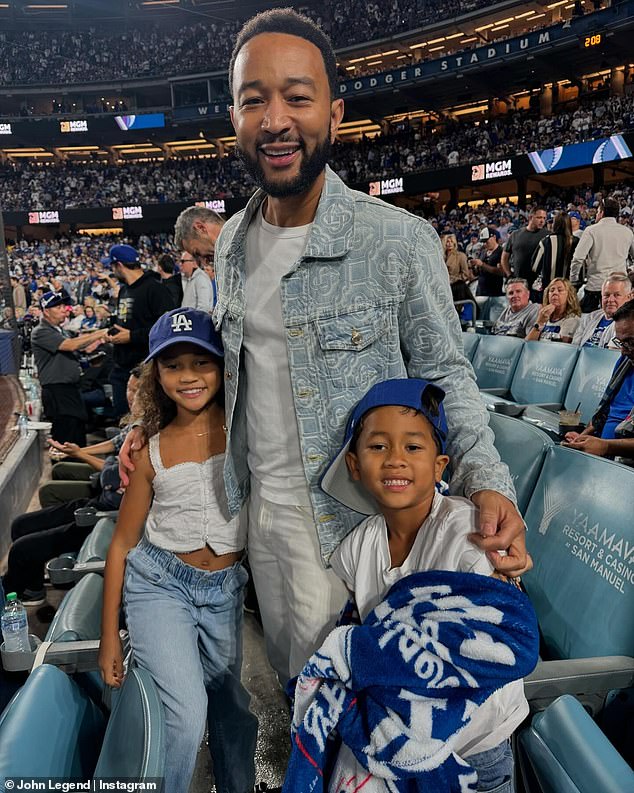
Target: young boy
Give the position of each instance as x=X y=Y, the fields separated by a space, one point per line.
x=392 y=459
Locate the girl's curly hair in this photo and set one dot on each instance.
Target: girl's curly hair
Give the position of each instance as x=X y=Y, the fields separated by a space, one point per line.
x=152 y=407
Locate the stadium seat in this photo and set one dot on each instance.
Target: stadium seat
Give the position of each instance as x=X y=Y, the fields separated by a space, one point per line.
x=97 y=543
x=51 y=728
x=581 y=538
x=134 y=744
x=495 y=360
x=470 y=343
x=66 y=569
x=588 y=381
x=564 y=751
x=523 y=448
x=541 y=376
x=79 y=616
x=493 y=307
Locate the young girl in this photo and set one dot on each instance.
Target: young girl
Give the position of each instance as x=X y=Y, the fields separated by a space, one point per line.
x=183 y=580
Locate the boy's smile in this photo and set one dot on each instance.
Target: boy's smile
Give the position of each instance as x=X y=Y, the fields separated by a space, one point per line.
x=397 y=462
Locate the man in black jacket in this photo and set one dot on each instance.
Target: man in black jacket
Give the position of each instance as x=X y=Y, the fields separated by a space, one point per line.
x=142 y=300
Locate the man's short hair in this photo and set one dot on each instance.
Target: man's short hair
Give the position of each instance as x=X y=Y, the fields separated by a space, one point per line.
x=521 y=281
x=610 y=207
x=166 y=263
x=287 y=20
x=626 y=311
x=618 y=278
x=537 y=209
x=184 y=226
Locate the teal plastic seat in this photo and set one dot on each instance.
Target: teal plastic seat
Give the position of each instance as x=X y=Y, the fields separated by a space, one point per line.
x=78 y=617
x=589 y=379
x=97 y=543
x=493 y=307
x=51 y=728
x=523 y=448
x=581 y=537
x=543 y=373
x=495 y=360
x=470 y=343
x=566 y=752
x=134 y=744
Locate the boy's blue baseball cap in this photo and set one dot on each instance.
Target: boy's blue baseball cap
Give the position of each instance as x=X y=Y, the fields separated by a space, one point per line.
x=184 y=325
x=336 y=480
x=124 y=254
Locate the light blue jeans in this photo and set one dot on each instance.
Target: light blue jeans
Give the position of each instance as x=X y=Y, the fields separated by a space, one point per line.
x=495 y=768
x=185 y=628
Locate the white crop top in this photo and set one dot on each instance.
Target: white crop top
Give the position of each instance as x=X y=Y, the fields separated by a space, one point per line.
x=189 y=509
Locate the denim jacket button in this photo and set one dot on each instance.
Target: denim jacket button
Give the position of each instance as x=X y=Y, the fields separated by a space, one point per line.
x=356 y=338
x=228 y=375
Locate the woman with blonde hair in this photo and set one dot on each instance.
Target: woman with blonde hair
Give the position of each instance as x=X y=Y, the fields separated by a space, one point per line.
x=559 y=315
x=455 y=260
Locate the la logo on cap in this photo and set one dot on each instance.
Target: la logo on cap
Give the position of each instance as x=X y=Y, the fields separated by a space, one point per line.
x=181 y=322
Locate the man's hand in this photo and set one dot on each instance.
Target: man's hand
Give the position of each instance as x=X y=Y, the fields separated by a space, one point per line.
x=501 y=529
x=588 y=444
x=135 y=440
x=122 y=336
x=572 y=436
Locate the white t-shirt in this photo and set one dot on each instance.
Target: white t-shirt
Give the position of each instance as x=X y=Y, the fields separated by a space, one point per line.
x=274 y=455
x=363 y=562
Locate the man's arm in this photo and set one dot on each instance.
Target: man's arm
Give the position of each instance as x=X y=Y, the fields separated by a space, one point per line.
x=579 y=257
x=431 y=347
x=505 y=263
x=602 y=447
x=85 y=340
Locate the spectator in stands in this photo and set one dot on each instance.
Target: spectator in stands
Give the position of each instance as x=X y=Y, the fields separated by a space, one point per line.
x=198 y=291
x=141 y=301
x=518 y=252
x=575 y=224
x=553 y=255
x=90 y=319
x=605 y=247
x=488 y=267
x=74 y=322
x=83 y=287
x=196 y=231
x=597 y=328
x=72 y=478
x=559 y=315
x=19 y=297
x=611 y=432
x=455 y=259
x=103 y=316
x=59 y=371
x=166 y=268
x=520 y=315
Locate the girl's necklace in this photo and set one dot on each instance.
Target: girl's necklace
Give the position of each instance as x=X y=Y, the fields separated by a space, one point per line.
x=200 y=434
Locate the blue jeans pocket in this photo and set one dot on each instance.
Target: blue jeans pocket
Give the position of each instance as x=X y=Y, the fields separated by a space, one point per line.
x=139 y=564
x=494 y=768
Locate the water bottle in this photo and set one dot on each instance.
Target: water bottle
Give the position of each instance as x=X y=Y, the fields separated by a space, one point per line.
x=23 y=425
x=15 y=626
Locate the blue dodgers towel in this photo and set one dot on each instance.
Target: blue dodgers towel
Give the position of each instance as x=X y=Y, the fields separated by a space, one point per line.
x=398 y=689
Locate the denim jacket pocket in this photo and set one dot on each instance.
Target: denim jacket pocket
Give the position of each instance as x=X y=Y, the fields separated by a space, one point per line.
x=355 y=346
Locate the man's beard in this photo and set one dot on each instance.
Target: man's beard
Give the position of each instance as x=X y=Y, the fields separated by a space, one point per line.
x=310 y=169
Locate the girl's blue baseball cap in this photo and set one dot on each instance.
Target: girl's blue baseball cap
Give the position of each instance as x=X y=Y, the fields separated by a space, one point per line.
x=184 y=325
x=407 y=392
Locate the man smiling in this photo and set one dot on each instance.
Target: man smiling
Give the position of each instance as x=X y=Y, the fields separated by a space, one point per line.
x=323 y=291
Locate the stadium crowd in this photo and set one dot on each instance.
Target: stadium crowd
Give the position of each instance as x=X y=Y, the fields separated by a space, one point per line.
x=409 y=148
x=144 y=51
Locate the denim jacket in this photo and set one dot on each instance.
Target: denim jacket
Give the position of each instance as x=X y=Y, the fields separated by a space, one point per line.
x=368 y=300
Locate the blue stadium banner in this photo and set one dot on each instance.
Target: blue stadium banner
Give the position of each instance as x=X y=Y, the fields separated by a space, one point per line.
x=144 y=121
x=575 y=155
